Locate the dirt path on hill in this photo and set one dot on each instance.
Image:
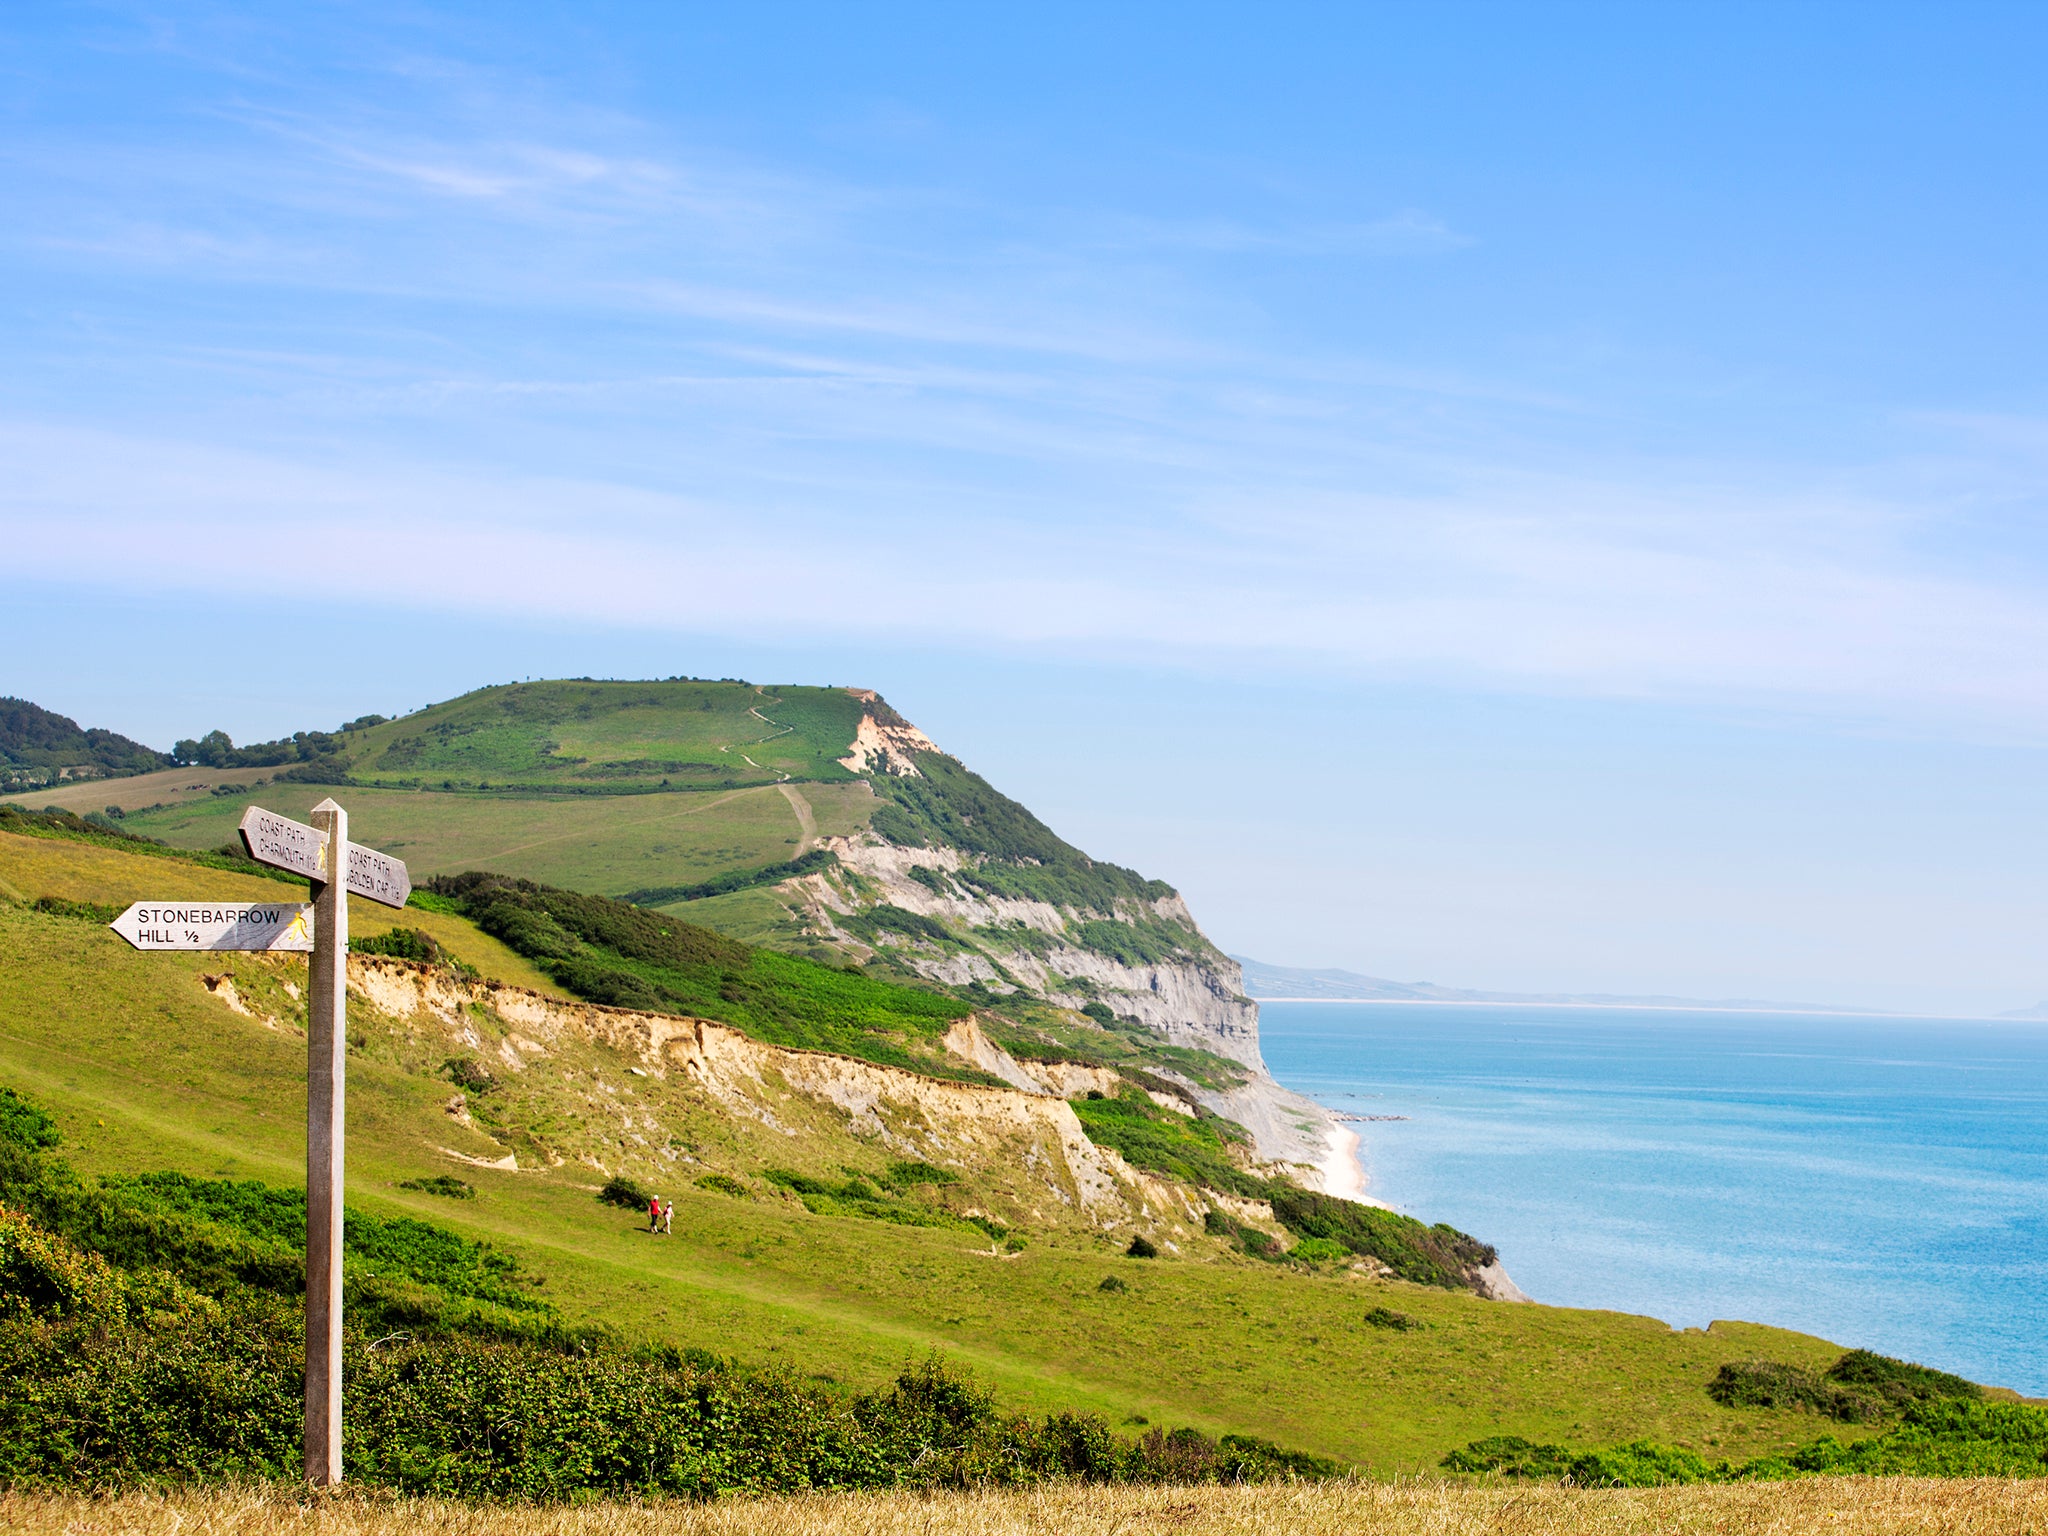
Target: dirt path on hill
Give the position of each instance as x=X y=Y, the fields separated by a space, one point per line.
x=807 y=824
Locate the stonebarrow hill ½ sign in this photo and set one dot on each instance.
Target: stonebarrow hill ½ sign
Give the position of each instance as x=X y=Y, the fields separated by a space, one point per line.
x=319 y=927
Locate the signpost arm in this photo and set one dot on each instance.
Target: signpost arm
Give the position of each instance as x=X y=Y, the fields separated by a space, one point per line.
x=326 y=1060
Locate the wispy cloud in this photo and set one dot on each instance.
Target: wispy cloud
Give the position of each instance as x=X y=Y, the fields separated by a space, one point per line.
x=565 y=361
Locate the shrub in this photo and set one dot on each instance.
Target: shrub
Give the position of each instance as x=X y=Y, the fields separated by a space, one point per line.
x=401 y=944
x=1388 y=1318
x=906 y=1174
x=1438 y=1255
x=1242 y=1235
x=443 y=1184
x=1898 y=1381
x=84 y=911
x=625 y=1193
x=469 y=1074
x=1769 y=1384
x=724 y=1184
x=1319 y=1250
x=1113 y=1284
x=1141 y=1248
x=24 y=1124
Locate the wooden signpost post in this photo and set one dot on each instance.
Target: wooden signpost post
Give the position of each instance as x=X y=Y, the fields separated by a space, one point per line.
x=319 y=852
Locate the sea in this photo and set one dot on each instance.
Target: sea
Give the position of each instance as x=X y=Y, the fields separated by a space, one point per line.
x=1879 y=1181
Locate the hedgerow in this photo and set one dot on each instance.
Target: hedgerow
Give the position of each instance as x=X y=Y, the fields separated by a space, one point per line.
x=1942 y=1437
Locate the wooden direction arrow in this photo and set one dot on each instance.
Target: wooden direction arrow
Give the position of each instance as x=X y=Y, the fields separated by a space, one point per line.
x=273 y=925
x=287 y=844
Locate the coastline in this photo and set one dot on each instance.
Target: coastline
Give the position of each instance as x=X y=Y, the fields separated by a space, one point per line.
x=1494 y=1002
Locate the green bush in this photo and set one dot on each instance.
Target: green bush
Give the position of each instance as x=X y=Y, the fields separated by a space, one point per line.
x=1898 y=1382
x=23 y=1124
x=84 y=911
x=445 y=1185
x=401 y=944
x=1769 y=1384
x=1388 y=1318
x=724 y=1184
x=1192 y=1149
x=906 y=1174
x=1438 y=1255
x=1141 y=1247
x=1319 y=1250
x=626 y=1194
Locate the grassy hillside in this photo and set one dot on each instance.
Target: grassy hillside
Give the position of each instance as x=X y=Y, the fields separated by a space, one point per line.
x=146 y=1066
x=38 y=748
x=584 y=736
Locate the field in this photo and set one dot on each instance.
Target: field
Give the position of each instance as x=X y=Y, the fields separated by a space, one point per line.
x=1852 y=1506
x=609 y=844
x=146 y=1067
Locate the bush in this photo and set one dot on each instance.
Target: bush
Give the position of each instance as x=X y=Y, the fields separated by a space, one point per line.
x=1388 y=1318
x=1113 y=1284
x=1769 y=1384
x=442 y=1184
x=84 y=911
x=623 y=1192
x=401 y=944
x=1898 y=1382
x=1319 y=1250
x=724 y=1185
x=23 y=1124
x=469 y=1074
x=1438 y=1255
x=1141 y=1248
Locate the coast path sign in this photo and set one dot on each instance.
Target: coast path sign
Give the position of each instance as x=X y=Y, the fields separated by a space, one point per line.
x=287 y=844
x=319 y=927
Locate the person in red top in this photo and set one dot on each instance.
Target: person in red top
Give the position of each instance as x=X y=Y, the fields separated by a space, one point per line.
x=654 y=1213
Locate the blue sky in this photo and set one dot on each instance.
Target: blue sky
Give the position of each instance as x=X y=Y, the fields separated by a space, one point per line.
x=1542 y=496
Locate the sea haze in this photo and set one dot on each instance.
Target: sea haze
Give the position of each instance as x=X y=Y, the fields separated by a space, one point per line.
x=1882 y=1182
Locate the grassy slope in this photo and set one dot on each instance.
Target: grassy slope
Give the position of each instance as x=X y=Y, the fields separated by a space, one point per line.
x=607 y=844
x=610 y=733
x=36 y=866
x=146 y=1069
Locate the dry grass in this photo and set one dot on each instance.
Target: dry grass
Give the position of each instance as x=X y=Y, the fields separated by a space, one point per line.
x=1872 y=1505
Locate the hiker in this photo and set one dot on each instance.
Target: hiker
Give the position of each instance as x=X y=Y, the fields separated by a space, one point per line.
x=654 y=1213
x=668 y=1218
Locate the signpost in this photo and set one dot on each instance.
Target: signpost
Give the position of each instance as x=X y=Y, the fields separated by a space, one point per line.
x=321 y=927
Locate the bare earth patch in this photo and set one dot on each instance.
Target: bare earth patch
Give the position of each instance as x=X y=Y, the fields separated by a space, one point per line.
x=1859 y=1505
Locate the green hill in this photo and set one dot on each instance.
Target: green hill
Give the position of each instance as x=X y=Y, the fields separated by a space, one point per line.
x=834 y=1214
x=38 y=748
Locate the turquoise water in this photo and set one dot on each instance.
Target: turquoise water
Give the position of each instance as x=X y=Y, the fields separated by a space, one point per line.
x=1881 y=1182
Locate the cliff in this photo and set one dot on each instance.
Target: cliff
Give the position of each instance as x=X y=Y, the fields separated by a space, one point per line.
x=955 y=882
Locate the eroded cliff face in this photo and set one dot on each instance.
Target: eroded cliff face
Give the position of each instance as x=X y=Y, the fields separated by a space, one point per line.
x=1193 y=1000
x=618 y=1090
